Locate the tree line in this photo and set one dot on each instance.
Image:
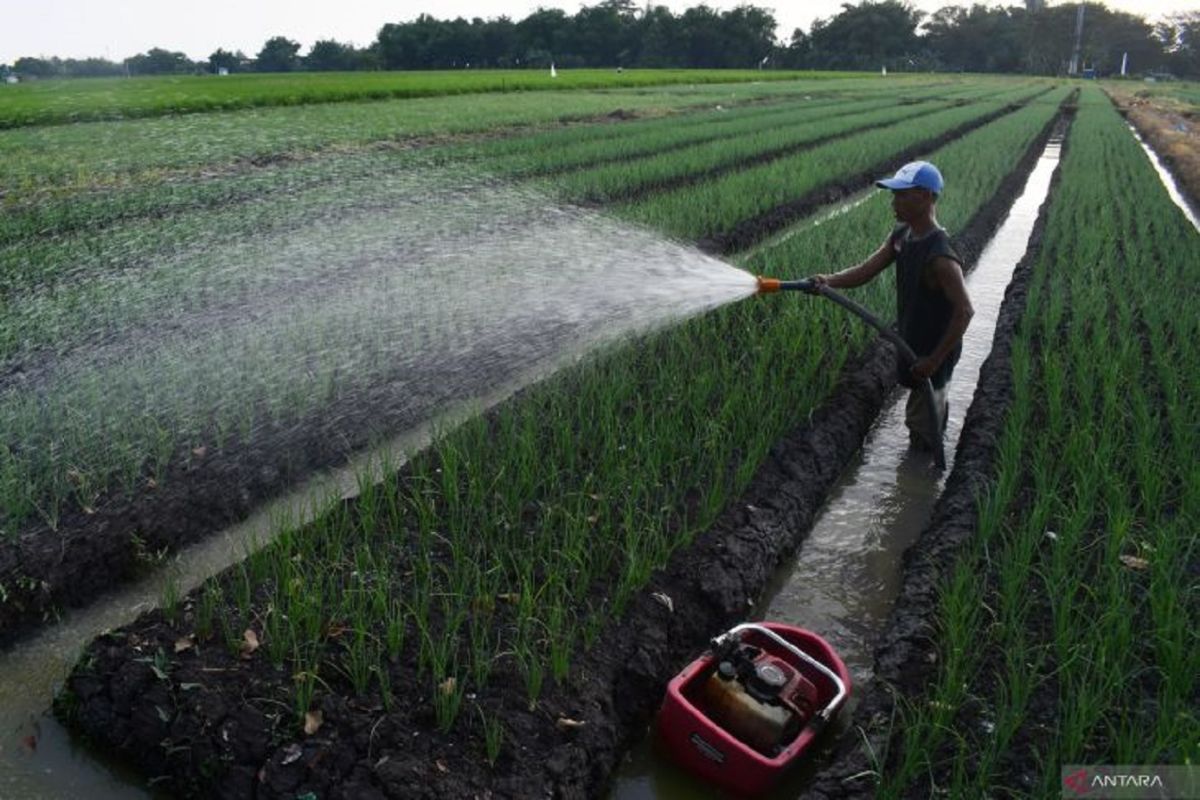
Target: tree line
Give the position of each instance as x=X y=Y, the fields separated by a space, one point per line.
x=616 y=33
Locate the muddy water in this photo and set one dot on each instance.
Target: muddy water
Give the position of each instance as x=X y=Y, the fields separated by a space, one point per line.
x=845 y=577
x=1168 y=180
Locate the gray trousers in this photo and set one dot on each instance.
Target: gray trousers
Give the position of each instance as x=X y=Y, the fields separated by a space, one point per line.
x=916 y=416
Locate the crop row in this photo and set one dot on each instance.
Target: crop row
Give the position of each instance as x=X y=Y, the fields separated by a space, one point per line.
x=712 y=207
x=507 y=545
x=59 y=101
x=638 y=176
x=116 y=152
x=65 y=211
x=1068 y=625
x=562 y=150
x=58 y=291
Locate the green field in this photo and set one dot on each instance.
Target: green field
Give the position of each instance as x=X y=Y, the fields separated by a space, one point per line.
x=169 y=229
x=180 y=289
x=72 y=100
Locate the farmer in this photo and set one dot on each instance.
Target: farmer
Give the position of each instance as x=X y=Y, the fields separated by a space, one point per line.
x=932 y=306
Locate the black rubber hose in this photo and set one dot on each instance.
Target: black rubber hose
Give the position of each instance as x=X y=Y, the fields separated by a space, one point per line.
x=889 y=333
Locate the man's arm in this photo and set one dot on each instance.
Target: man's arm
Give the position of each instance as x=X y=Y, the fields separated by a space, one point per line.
x=948 y=275
x=861 y=273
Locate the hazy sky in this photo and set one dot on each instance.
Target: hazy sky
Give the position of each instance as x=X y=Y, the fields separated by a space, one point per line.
x=117 y=29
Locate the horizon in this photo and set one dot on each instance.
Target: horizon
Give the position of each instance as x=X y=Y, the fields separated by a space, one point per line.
x=76 y=29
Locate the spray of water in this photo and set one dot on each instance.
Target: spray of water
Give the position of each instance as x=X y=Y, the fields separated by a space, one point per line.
x=377 y=302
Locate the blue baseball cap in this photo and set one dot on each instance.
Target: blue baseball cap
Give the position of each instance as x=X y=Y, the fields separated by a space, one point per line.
x=915 y=175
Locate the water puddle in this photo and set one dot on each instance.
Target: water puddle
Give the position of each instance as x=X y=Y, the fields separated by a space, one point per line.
x=1168 y=179
x=843 y=581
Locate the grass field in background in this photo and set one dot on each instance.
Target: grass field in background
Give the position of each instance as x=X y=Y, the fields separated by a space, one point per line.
x=79 y=99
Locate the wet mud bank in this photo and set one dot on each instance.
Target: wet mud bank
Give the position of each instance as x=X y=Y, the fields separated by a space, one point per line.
x=906 y=657
x=214 y=723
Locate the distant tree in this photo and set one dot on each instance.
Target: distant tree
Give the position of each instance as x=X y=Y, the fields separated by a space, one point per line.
x=978 y=39
x=1112 y=34
x=1107 y=35
x=799 y=51
x=70 y=67
x=157 y=61
x=748 y=36
x=29 y=67
x=328 y=55
x=658 y=30
x=867 y=36
x=1179 y=37
x=610 y=33
x=700 y=37
x=455 y=43
x=234 y=62
x=395 y=46
x=603 y=35
x=369 y=58
x=278 y=54
x=426 y=43
x=541 y=36
x=92 y=67
x=497 y=42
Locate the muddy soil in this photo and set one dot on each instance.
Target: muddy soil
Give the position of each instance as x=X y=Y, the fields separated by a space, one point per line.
x=906 y=658
x=220 y=725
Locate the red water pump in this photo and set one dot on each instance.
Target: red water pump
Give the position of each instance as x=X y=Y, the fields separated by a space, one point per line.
x=759 y=698
x=746 y=710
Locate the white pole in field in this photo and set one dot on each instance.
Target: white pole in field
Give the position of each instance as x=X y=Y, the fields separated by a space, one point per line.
x=1124 y=63
x=883 y=71
x=1073 y=69
x=553 y=71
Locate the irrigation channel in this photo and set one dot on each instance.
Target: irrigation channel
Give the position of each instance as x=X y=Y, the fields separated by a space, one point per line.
x=844 y=578
x=1168 y=180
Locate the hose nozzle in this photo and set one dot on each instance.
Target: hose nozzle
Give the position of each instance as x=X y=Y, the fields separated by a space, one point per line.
x=772 y=285
x=768 y=285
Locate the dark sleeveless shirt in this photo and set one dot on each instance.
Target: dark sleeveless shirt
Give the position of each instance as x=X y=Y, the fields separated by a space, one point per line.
x=923 y=311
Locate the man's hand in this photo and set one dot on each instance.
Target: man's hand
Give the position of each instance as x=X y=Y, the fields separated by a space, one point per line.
x=922 y=368
x=816 y=282
x=857 y=275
